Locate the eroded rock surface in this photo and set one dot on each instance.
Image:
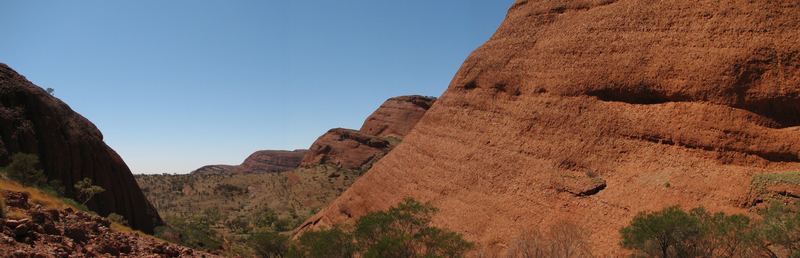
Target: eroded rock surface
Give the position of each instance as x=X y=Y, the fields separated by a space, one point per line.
x=397 y=116
x=346 y=148
x=668 y=103
x=381 y=131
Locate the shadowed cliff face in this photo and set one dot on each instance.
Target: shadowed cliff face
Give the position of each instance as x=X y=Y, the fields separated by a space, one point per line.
x=585 y=110
x=70 y=148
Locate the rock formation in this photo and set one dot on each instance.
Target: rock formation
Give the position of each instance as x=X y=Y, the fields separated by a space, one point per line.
x=346 y=148
x=397 y=116
x=592 y=111
x=383 y=129
x=70 y=148
x=264 y=161
x=48 y=232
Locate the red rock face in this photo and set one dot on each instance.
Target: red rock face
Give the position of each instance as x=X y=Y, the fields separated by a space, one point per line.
x=346 y=148
x=272 y=161
x=70 y=148
x=382 y=130
x=397 y=116
x=264 y=161
x=568 y=96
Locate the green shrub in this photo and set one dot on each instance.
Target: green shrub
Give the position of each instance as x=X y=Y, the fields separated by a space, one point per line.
x=781 y=226
x=268 y=244
x=401 y=231
x=673 y=232
x=116 y=218
x=194 y=232
x=666 y=233
x=86 y=190
x=330 y=243
x=405 y=231
x=24 y=169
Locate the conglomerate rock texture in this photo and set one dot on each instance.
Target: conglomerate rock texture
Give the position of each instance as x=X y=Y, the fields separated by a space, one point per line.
x=70 y=148
x=592 y=111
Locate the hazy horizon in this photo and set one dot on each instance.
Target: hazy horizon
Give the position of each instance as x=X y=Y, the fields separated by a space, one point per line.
x=178 y=85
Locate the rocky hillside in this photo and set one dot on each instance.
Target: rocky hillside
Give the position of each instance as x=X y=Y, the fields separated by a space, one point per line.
x=241 y=198
x=592 y=111
x=70 y=148
x=35 y=224
x=264 y=161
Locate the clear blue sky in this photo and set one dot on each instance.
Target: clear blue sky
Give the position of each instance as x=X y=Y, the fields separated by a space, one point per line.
x=174 y=85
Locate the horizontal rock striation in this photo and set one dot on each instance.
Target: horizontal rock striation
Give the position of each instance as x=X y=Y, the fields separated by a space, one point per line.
x=592 y=111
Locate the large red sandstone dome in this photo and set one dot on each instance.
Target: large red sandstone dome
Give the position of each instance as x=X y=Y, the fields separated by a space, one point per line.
x=585 y=110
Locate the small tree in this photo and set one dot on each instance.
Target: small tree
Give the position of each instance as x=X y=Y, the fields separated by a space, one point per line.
x=51 y=91
x=666 y=233
x=24 y=169
x=86 y=190
x=405 y=231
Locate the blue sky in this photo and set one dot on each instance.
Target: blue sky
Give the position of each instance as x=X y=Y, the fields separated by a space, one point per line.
x=174 y=85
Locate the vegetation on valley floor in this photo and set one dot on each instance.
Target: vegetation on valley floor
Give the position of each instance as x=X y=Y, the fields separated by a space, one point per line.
x=673 y=232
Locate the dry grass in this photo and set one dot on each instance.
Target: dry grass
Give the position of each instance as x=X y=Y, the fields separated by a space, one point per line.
x=36 y=196
x=49 y=201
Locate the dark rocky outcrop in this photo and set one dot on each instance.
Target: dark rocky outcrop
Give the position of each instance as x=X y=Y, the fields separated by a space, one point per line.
x=70 y=148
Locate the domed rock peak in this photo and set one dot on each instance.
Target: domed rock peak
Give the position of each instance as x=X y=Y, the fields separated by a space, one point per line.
x=69 y=147
x=593 y=111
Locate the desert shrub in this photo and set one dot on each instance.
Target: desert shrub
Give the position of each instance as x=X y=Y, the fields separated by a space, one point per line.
x=725 y=236
x=86 y=190
x=673 y=232
x=268 y=244
x=268 y=220
x=401 y=231
x=24 y=169
x=563 y=239
x=405 y=231
x=229 y=190
x=116 y=218
x=55 y=187
x=237 y=225
x=194 y=232
x=329 y=243
x=167 y=233
x=667 y=233
x=781 y=227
